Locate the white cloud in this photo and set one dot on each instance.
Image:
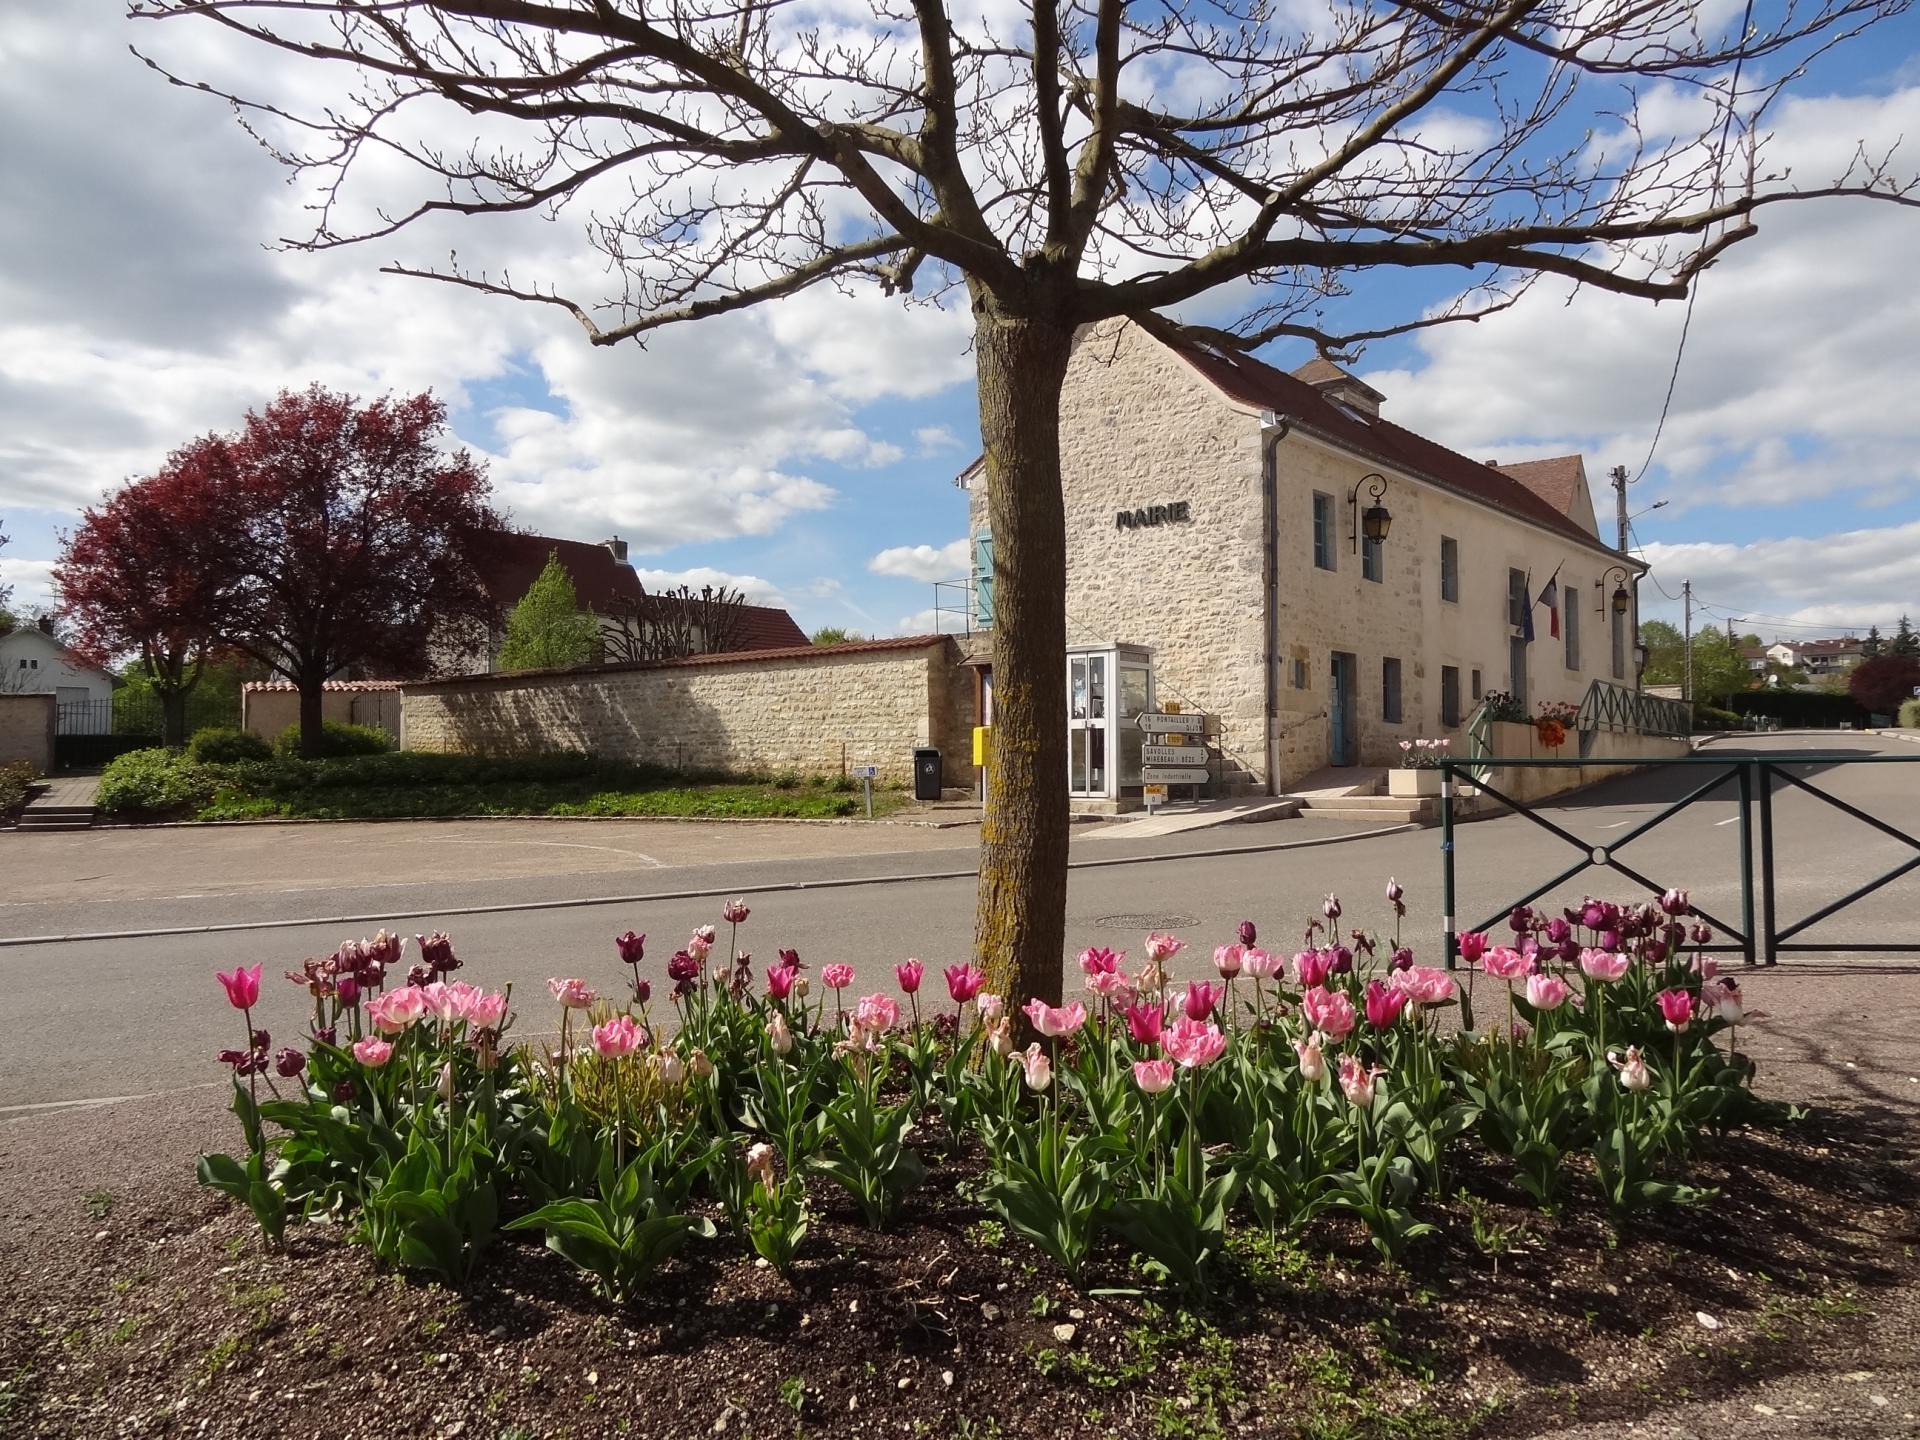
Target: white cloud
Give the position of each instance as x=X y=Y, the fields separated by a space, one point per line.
x=930 y=622
x=1851 y=580
x=924 y=562
x=757 y=591
x=935 y=440
x=32 y=582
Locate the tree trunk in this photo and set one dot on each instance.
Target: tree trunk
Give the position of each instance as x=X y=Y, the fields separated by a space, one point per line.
x=173 y=716
x=312 y=712
x=1020 y=923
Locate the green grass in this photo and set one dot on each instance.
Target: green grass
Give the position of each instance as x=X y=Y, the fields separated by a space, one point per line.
x=415 y=785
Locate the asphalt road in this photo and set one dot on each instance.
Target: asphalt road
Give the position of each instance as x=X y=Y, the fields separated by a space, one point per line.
x=88 y=1019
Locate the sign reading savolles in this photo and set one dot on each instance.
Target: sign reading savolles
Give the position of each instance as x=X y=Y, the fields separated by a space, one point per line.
x=1147 y=516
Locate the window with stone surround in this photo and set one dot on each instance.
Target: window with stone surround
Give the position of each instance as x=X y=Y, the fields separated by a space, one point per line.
x=1476 y=684
x=1449 y=695
x=1571 y=592
x=1390 y=691
x=1322 y=531
x=1373 y=563
x=1450 y=569
x=1299 y=674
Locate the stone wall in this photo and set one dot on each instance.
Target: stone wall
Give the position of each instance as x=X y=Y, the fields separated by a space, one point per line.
x=26 y=730
x=814 y=711
x=267 y=711
x=1527 y=783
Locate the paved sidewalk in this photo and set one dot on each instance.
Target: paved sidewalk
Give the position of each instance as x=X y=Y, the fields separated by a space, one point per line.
x=67 y=790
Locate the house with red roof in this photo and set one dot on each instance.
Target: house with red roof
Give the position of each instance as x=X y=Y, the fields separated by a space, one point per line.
x=1268 y=549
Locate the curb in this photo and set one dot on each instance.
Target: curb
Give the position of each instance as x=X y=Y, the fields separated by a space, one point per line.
x=776 y=888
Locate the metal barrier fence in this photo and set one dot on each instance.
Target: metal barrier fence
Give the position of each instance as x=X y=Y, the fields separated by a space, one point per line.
x=1756 y=778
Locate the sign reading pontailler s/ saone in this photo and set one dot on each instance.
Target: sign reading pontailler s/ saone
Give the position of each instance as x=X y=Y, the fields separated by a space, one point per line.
x=1177 y=512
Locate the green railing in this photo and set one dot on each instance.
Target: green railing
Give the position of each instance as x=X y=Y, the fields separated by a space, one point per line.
x=1620 y=707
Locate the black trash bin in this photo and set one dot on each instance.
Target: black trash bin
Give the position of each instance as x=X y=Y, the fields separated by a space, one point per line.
x=926 y=773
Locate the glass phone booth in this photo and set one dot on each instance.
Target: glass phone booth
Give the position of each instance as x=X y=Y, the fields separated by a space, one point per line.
x=1109 y=687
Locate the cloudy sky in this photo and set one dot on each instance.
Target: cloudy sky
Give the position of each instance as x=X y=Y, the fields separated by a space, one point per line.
x=806 y=451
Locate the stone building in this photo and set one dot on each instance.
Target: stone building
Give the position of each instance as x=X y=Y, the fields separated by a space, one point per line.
x=1218 y=512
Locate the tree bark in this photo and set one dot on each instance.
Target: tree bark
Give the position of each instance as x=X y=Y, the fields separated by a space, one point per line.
x=173 y=716
x=312 y=713
x=1020 y=921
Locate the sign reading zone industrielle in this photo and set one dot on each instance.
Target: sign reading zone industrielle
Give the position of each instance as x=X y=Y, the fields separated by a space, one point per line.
x=1172 y=775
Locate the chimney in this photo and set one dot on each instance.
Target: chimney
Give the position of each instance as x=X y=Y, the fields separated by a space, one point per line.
x=1342 y=386
x=45 y=622
x=618 y=547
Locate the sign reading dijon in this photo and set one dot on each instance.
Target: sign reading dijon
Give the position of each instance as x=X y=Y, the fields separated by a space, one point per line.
x=1173 y=513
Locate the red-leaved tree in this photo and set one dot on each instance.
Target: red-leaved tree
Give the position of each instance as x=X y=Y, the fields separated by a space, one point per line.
x=354 y=538
x=147 y=573
x=1884 y=682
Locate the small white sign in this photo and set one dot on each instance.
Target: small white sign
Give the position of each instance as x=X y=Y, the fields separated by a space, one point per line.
x=1154 y=794
x=1155 y=724
x=864 y=772
x=1168 y=775
x=1173 y=755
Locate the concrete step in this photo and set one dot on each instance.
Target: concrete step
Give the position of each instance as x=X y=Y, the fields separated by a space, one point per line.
x=38 y=808
x=1421 y=815
x=1315 y=803
x=29 y=822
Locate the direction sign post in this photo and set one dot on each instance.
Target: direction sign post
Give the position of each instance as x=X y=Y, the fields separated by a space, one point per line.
x=865 y=774
x=1163 y=724
x=1173 y=775
x=1173 y=755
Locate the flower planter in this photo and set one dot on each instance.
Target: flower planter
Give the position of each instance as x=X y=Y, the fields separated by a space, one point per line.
x=1412 y=783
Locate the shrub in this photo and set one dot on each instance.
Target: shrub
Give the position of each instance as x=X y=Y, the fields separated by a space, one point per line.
x=153 y=781
x=224 y=744
x=14 y=780
x=337 y=738
x=1910 y=714
x=1712 y=717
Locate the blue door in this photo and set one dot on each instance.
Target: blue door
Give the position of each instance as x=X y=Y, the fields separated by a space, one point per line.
x=1340 y=746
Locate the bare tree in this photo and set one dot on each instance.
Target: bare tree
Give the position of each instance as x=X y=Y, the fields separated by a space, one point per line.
x=1071 y=163
x=673 y=624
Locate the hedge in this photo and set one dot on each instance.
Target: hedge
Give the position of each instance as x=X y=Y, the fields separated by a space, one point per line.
x=1813 y=709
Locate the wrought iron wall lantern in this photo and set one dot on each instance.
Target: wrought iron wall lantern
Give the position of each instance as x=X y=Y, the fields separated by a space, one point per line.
x=1622 y=598
x=1376 y=519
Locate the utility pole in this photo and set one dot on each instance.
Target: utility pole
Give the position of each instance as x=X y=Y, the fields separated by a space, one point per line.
x=1686 y=683
x=1620 y=505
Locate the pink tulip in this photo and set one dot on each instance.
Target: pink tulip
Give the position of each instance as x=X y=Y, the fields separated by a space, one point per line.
x=1472 y=945
x=964 y=982
x=760 y=1165
x=446 y=1003
x=1099 y=961
x=487 y=1012
x=1114 y=987
x=1547 y=992
x=1054 y=1021
x=1261 y=964
x=1202 y=998
x=672 y=1071
x=1676 y=1007
x=372 y=1052
x=572 y=994
x=1634 y=1074
x=1153 y=1076
x=617 y=1037
x=700 y=944
x=1311 y=968
x=1313 y=1061
x=1675 y=902
x=699 y=1065
x=1145 y=1022
x=1357 y=1082
x=1425 y=985
x=836 y=977
x=394 y=1010
x=909 y=974
x=1228 y=959
x=779 y=1034
x=1722 y=997
x=1036 y=1067
x=1193 y=1043
x=1503 y=962
x=999 y=1032
x=1163 y=947
x=780 y=982
x=734 y=912
x=877 y=1013
x=242 y=986
x=1384 y=1004
x=1603 y=965
x=990 y=1006
x=1328 y=1011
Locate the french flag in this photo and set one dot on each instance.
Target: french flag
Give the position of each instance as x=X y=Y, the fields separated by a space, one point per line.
x=1550 y=597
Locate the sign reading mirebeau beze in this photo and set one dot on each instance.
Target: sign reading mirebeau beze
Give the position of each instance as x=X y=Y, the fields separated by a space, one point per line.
x=1148 y=516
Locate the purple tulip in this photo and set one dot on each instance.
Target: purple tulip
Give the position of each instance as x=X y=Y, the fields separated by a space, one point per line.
x=1401 y=959
x=289 y=1063
x=632 y=947
x=1247 y=933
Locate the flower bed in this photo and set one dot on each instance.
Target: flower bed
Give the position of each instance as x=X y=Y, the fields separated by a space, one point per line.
x=1128 y=1142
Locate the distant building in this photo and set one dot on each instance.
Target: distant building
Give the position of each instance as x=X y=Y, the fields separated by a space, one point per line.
x=604 y=583
x=34 y=662
x=1817 y=657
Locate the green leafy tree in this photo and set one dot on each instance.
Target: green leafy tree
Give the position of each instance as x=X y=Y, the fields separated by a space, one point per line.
x=1718 y=669
x=1873 y=644
x=548 y=630
x=1905 y=642
x=836 y=635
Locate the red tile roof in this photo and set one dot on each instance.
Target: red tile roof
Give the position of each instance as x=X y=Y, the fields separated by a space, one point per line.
x=509 y=563
x=1557 y=481
x=767 y=627
x=1261 y=386
x=731 y=657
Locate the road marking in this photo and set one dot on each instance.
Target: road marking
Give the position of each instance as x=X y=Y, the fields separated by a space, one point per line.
x=1616 y=825
x=105 y=1099
x=568 y=845
x=1730 y=820
x=776 y=888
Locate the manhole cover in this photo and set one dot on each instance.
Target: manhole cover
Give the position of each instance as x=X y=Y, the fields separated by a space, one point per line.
x=1145 y=923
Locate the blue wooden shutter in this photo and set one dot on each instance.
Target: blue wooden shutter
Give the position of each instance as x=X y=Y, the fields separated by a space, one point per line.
x=983 y=579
